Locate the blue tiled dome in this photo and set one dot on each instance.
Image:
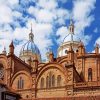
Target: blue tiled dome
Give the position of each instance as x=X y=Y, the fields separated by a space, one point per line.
x=30 y=47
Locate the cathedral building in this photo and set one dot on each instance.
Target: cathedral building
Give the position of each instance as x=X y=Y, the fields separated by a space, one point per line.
x=73 y=73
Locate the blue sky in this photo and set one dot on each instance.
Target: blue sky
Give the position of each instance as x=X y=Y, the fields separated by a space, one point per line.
x=50 y=20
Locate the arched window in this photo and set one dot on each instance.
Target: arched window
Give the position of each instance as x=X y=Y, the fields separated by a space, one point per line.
x=42 y=83
x=47 y=82
x=90 y=74
x=59 y=80
x=53 y=80
x=20 y=84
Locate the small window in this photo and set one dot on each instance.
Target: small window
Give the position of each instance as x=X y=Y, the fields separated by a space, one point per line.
x=53 y=81
x=59 y=80
x=18 y=85
x=27 y=96
x=47 y=82
x=90 y=74
x=42 y=83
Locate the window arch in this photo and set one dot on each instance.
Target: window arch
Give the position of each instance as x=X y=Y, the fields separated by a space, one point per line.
x=59 y=80
x=53 y=80
x=90 y=74
x=42 y=83
x=20 y=84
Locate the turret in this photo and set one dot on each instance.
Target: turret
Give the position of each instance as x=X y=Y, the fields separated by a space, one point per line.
x=51 y=56
x=11 y=48
x=81 y=49
x=97 y=48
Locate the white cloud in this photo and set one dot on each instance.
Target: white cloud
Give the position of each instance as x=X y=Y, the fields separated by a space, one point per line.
x=5 y=14
x=20 y=33
x=47 y=4
x=82 y=24
x=6 y=34
x=62 y=15
x=83 y=18
x=45 y=16
x=82 y=8
x=96 y=30
x=17 y=14
x=62 y=30
x=33 y=10
x=12 y=2
x=98 y=41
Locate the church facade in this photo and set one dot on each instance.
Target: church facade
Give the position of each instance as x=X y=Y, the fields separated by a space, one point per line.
x=74 y=72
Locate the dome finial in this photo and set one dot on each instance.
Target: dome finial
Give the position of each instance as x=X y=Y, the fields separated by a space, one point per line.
x=31 y=28
x=31 y=35
x=71 y=21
